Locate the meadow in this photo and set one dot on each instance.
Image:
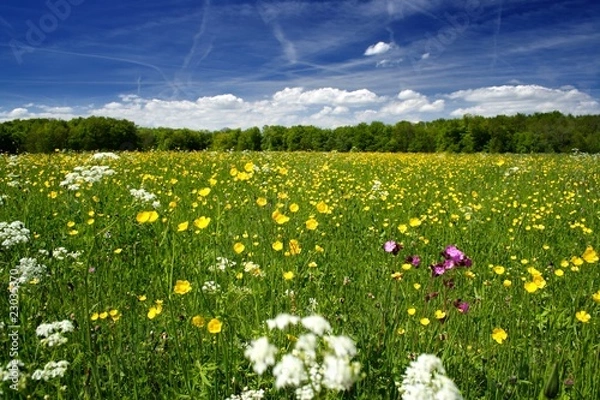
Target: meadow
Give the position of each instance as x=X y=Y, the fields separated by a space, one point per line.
x=152 y=275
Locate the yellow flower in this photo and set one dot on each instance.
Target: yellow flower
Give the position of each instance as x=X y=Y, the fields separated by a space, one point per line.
x=294 y=247
x=312 y=264
x=94 y=316
x=311 y=224
x=279 y=217
x=498 y=269
x=214 y=326
x=146 y=216
x=506 y=283
x=261 y=201
x=424 y=321
x=288 y=276
x=406 y=266
x=73 y=232
x=142 y=297
x=417 y=286
x=201 y=222
x=564 y=263
x=559 y=272
x=414 y=222
x=589 y=255
x=277 y=246
x=576 y=260
x=238 y=247
x=70 y=224
x=204 y=192
x=52 y=195
x=323 y=208
x=249 y=166
x=397 y=276
x=103 y=315
x=531 y=287
x=118 y=251
x=319 y=249
x=582 y=316
x=114 y=314
x=596 y=296
x=294 y=207
x=400 y=331
x=499 y=335
x=402 y=228
x=411 y=311
x=182 y=226
x=155 y=310
x=198 y=321
x=439 y=314
x=182 y=287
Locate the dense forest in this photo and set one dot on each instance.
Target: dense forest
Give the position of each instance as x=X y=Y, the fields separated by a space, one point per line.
x=537 y=133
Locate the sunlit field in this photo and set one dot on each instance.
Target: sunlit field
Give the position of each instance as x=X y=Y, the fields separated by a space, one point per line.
x=113 y=292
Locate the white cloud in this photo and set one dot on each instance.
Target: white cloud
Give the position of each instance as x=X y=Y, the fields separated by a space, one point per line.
x=324 y=107
x=512 y=99
x=379 y=48
x=328 y=95
x=412 y=102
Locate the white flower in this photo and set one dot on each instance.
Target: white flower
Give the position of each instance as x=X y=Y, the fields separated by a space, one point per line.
x=306 y=347
x=29 y=269
x=261 y=353
x=425 y=378
x=316 y=324
x=100 y=156
x=211 y=287
x=89 y=175
x=51 y=333
x=339 y=373
x=342 y=346
x=13 y=233
x=248 y=394
x=282 y=321
x=289 y=372
x=145 y=197
x=51 y=370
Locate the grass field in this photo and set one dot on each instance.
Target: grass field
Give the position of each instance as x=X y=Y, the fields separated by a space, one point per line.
x=161 y=291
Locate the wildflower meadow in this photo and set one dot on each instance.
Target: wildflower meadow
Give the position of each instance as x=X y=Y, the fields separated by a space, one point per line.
x=267 y=275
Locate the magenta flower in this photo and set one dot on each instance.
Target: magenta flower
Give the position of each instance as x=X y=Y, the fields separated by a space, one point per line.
x=414 y=260
x=391 y=246
x=457 y=257
x=461 y=306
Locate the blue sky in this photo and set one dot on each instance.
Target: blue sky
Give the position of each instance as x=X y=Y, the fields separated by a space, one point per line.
x=213 y=64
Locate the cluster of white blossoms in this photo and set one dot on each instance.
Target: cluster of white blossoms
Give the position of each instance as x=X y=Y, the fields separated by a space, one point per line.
x=53 y=369
x=60 y=253
x=317 y=361
x=13 y=233
x=104 y=155
x=211 y=287
x=222 y=264
x=248 y=394
x=52 y=333
x=29 y=269
x=377 y=192
x=425 y=379
x=74 y=180
x=144 y=196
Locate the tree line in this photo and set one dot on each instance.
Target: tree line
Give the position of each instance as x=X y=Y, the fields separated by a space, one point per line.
x=536 y=133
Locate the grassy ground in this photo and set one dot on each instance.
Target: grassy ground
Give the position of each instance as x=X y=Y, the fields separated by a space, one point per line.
x=158 y=313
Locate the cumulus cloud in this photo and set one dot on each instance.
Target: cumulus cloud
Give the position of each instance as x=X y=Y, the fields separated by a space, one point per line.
x=378 y=48
x=324 y=107
x=408 y=101
x=512 y=99
x=328 y=95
